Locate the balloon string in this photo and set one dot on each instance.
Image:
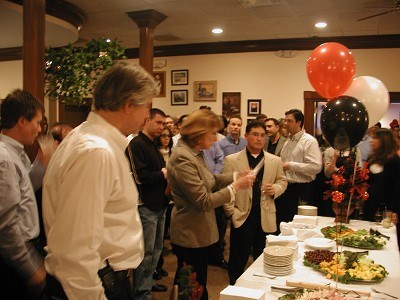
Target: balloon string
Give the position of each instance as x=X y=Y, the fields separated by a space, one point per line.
x=353 y=185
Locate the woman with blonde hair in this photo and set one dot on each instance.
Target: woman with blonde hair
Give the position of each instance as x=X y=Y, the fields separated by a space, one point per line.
x=196 y=192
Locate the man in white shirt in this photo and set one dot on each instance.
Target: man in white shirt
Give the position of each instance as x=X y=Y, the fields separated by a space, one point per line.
x=93 y=229
x=302 y=161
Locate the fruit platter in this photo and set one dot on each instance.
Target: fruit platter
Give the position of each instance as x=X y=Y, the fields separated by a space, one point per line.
x=357 y=239
x=346 y=266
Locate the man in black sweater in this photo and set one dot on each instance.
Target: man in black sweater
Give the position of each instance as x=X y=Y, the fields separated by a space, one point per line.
x=152 y=177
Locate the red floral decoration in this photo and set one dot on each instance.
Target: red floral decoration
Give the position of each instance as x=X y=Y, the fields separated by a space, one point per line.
x=347 y=184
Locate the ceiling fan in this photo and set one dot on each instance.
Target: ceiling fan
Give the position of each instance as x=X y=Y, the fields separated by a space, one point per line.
x=396 y=8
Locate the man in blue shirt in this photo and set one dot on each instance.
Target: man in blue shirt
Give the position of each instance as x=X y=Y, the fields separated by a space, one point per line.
x=233 y=142
x=22 y=272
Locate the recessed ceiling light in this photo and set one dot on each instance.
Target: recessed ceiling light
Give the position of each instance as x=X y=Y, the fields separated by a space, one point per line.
x=320 y=25
x=217 y=30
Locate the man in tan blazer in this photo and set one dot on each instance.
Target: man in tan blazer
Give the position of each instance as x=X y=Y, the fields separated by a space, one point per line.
x=253 y=212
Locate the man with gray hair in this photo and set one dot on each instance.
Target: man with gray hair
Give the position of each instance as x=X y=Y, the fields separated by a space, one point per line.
x=93 y=228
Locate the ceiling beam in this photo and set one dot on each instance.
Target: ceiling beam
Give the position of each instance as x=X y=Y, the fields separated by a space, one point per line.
x=351 y=42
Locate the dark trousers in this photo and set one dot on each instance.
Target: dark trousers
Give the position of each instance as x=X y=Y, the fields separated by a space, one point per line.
x=116 y=288
x=197 y=258
x=287 y=203
x=248 y=236
x=216 y=251
x=12 y=286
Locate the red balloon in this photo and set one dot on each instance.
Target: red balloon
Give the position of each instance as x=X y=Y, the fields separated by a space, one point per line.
x=330 y=69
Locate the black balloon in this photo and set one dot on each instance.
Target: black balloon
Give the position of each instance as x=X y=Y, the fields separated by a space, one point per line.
x=344 y=122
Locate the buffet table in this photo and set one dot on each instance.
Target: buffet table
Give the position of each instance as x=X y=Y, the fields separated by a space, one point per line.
x=388 y=257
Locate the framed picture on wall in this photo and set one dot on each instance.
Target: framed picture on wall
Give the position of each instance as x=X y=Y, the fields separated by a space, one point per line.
x=159 y=76
x=179 y=97
x=205 y=90
x=230 y=104
x=253 y=107
x=179 y=77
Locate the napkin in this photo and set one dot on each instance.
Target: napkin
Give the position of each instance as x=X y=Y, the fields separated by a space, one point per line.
x=305 y=219
x=240 y=293
x=290 y=241
x=302 y=231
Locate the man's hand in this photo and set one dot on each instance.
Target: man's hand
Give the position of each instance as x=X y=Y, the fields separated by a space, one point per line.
x=164 y=170
x=286 y=166
x=37 y=281
x=268 y=189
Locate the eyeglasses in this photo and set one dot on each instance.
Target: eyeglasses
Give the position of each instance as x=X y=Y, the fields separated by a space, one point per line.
x=165 y=136
x=256 y=134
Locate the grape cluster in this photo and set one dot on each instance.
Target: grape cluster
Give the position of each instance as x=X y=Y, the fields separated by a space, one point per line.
x=318 y=256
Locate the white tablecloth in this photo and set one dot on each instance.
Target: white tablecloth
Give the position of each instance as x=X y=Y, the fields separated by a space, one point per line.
x=387 y=257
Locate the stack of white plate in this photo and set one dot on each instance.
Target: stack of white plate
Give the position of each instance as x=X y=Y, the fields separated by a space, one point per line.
x=278 y=260
x=307 y=210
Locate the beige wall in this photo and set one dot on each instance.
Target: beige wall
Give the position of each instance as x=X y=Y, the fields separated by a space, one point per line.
x=10 y=77
x=279 y=82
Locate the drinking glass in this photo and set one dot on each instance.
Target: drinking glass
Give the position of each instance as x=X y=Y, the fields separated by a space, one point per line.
x=378 y=216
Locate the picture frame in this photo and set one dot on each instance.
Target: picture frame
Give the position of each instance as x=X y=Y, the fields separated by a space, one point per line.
x=159 y=76
x=179 y=77
x=205 y=90
x=231 y=102
x=179 y=97
x=253 y=107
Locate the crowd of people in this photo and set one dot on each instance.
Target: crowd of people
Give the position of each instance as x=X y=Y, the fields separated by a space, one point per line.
x=107 y=202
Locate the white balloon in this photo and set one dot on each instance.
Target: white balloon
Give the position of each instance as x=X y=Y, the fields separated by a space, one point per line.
x=373 y=94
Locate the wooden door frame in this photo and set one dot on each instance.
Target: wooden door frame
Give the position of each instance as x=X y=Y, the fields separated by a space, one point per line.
x=311 y=98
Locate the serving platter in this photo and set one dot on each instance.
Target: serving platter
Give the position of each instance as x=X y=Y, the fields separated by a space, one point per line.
x=357 y=239
x=345 y=266
x=319 y=243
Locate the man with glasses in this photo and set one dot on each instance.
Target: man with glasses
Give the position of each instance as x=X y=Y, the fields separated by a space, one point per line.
x=253 y=212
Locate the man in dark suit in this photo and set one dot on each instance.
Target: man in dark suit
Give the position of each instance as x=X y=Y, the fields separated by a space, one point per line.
x=275 y=140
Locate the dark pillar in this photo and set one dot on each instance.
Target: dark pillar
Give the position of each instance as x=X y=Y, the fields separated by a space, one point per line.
x=34 y=47
x=33 y=55
x=147 y=21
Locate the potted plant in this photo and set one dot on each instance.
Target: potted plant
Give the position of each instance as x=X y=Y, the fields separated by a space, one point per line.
x=72 y=71
x=348 y=187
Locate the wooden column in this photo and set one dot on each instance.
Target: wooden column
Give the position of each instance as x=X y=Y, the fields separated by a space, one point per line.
x=34 y=47
x=34 y=12
x=147 y=21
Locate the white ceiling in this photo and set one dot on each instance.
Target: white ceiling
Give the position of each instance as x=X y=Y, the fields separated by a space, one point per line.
x=58 y=32
x=191 y=21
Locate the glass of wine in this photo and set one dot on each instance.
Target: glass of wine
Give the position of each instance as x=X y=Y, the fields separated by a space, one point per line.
x=378 y=216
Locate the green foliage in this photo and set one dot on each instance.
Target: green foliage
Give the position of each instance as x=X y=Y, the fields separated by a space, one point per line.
x=71 y=72
x=189 y=288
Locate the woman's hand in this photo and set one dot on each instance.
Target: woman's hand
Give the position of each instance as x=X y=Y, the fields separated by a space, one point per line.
x=242 y=174
x=244 y=183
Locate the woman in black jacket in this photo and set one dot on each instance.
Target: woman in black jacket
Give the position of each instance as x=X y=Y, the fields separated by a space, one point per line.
x=384 y=164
